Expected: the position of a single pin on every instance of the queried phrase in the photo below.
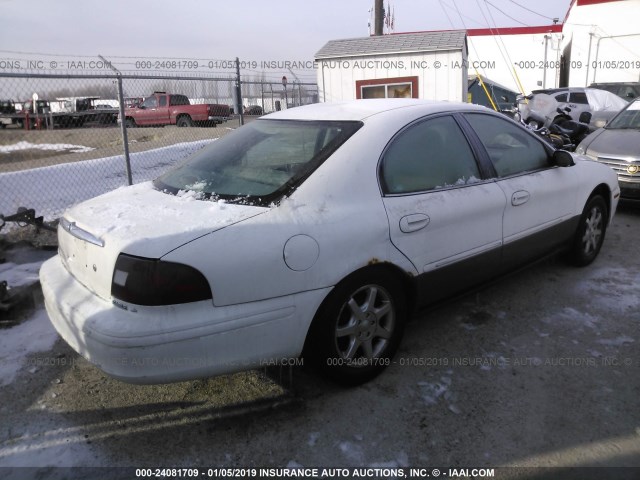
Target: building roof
(394, 43)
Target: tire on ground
(590, 233)
(358, 327)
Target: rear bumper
(175, 343)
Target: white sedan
(315, 231)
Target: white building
(520, 58)
(428, 65)
(598, 41)
(602, 41)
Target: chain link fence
(62, 141)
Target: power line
(470, 43)
(495, 38)
(506, 15)
(442, 2)
(460, 14)
(445, 12)
(529, 10)
(510, 63)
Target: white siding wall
(614, 27)
(525, 52)
(337, 77)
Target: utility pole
(378, 17)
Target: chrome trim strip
(79, 233)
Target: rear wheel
(358, 328)
(184, 121)
(130, 123)
(590, 233)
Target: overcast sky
(208, 30)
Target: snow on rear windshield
(259, 162)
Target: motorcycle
(541, 114)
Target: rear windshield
(258, 163)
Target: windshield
(259, 162)
(627, 118)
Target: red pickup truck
(162, 108)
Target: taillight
(145, 281)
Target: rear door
(445, 214)
(541, 198)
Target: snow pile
(33, 335)
(57, 147)
(20, 275)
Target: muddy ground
(539, 369)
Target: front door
(539, 213)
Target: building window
(403, 87)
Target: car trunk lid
(139, 221)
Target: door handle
(520, 197)
(414, 222)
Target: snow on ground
(58, 147)
(35, 334)
(19, 275)
(51, 190)
(73, 182)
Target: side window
(432, 154)
(163, 101)
(578, 97)
(150, 102)
(562, 98)
(511, 149)
(179, 100)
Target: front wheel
(590, 233)
(358, 328)
(130, 123)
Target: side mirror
(600, 123)
(562, 158)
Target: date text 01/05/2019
(578, 64)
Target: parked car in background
(7, 113)
(162, 108)
(618, 146)
(625, 90)
(587, 105)
(253, 110)
(316, 231)
(131, 102)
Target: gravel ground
(539, 369)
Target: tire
(184, 121)
(590, 233)
(130, 123)
(358, 328)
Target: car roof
(361, 109)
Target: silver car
(618, 145)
